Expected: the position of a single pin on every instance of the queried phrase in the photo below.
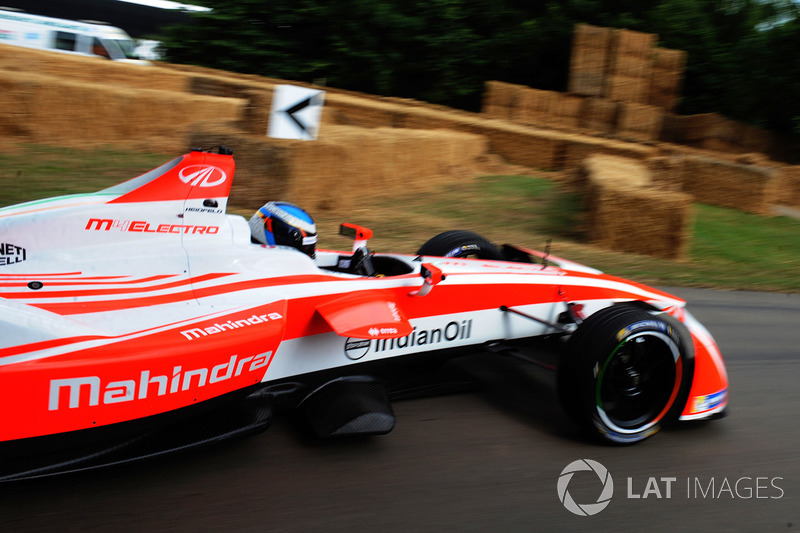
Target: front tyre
(626, 373)
(460, 243)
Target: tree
(442, 51)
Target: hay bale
(694, 129)
(632, 66)
(535, 106)
(639, 221)
(565, 111)
(257, 111)
(631, 43)
(499, 99)
(579, 147)
(588, 60)
(15, 59)
(618, 171)
(666, 172)
(629, 67)
(789, 193)
(599, 115)
(624, 213)
(15, 105)
(525, 146)
(627, 88)
(639, 122)
(342, 110)
(666, 78)
(70, 113)
(586, 82)
(750, 188)
(222, 86)
(344, 166)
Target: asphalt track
(480, 461)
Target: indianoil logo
(585, 509)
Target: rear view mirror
(359, 234)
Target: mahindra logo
(202, 175)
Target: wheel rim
(638, 383)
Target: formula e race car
(143, 319)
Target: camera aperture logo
(585, 509)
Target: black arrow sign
(299, 106)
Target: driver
(282, 223)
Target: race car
(143, 319)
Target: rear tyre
(626, 373)
(460, 243)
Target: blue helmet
(282, 223)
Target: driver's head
(284, 224)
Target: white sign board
(296, 112)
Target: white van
(68, 36)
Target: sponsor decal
(453, 331)
(11, 254)
(456, 252)
(644, 324)
(374, 332)
(202, 175)
(355, 349)
(707, 402)
(230, 325)
(91, 391)
(141, 226)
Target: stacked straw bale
(599, 116)
(588, 60)
(500, 99)
(629, 68)
(789, 193)
(50, 110)
(711, 131)
(666, 78)
(344, 166)
(535, 106)
(579, 147)
(747, 187)
(639, 122)
(624, 213)
(15, 59)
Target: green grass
(32, 172)
(730, 249)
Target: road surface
(480, 461)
